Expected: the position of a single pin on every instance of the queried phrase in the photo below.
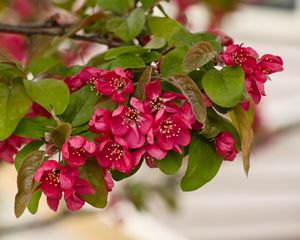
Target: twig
(54, 31)
(160, 7)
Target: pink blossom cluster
(149, 128)
(257, 69)
(146, 129)
(56, 179)
(116, 84)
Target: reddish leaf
(246, 134)
(190, 90)
(25, 180)
(198, 56)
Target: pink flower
(49, 176)
(37, 111)
(150, 153)
(90, 74)
(10, 147)
(55, 180)
(157, 100)
(115, 84)
(15, 45)
(238, 55)
(256, 70)
(74, 187)
(77, 149)
(208, 102)
(100, 121)
(24, 8)
(224, 39)
(87, 75)
(74, 82)
(170, 131)
(254, 88)
(109, 182)
(224, 146)
(270, 64)
(114, 154)
(132, 123)
(187, 115)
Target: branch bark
(59, 30)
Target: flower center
(266, 71)
(240, 56)
(117, 83)
(132, 117)
(93, 80)
(78, 151)
(52, 177)
(157, 104)
(169, 129)
(115, 152)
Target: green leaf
(49, 93)
(107, 103)
(132, 26)
(172, 61)
(65, 71)
(163, 27)
(212, 39)
(33, 204)
(42, 64)
(190, 90)
(119, 176)
(14, 104)
(156, 43)
(96, 60)
(81, 107)
(225, 87)
(246, 134)
(148, 3)
(89, 135)
(80, 129)
(113, 23)
(34, 127)
(150, 57)
(25, 151)
(115, 52)
(128, 61)
(119, 6)
(185, 38)
(25, 180)
(143, 80)
(93, 173)
(10, 70)
(204, 163)
(60, 134)
(66, 4)
(217, 124)
(171, 163)
(198, 56)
